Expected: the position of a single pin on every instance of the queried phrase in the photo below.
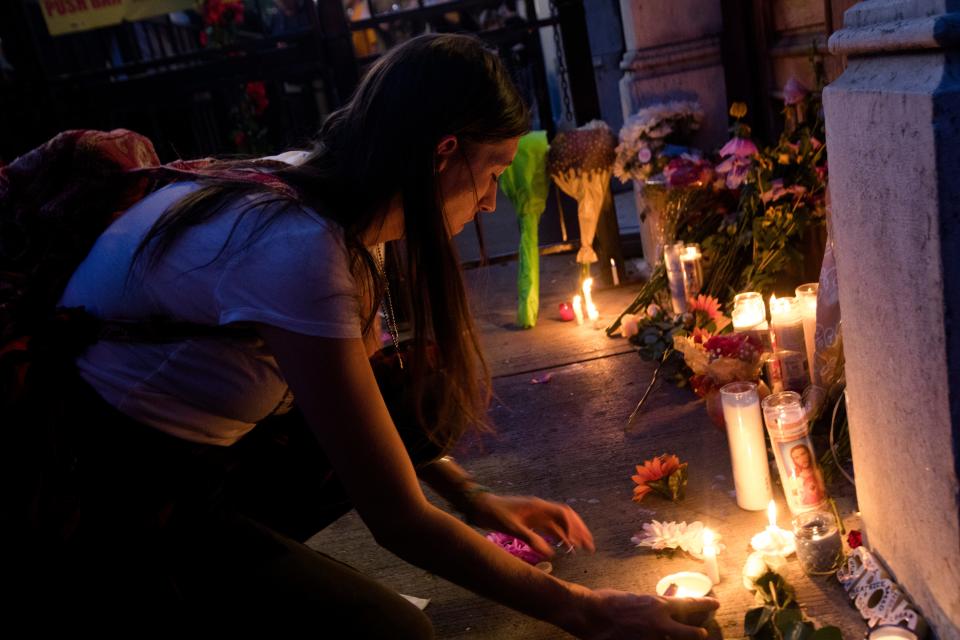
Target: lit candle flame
(578, 309)
(708, 539)
(592, 312)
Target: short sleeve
(294, 275)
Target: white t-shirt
(293, 274)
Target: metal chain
(561, 64)
(388, 310)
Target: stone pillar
(673, 52)
(893, 133)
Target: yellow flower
(738, 109)
(783, 158)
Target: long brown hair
(380, 144)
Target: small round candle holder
(819, 546)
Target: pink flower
(739, 346)
(794, 92)
(739, 147)
(652, 310)
(777, 191)
(644, 155)
(683, 172)
(734, 170)
(515, 547)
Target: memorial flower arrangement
(756, 212)
(653, 136)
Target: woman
(181, 496)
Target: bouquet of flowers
(717, 361)
(221, 20)
(652, 136)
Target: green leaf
(756, 619)
(677, 481)
(791, 625)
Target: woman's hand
(617, 614)
(530, 519)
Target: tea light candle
(689, 584)
(807, 295)
(748, 451)
(692, 268)
(787, 324)
(819, 547)
(710, 556)
(890, 632)
(773, 541)
(671, 262)
(578, 309)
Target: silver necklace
(388, 307)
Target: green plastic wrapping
(526, 183)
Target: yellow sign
(65, 16)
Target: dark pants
(142, 517)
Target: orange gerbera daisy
(707, 305)
(652, 470)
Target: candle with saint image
(592, 312)
(807, 295)
(710, 556)
(748, 451)
(787, 324)
(578, 309)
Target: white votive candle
(748, 452)
(710, 556)
(807, 295)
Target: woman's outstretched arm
(337, 392)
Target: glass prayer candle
(792, 369)
(748, 451)
(750, 316)
(807, 297)
(671, 262)
(691, 265)
(787, 324)
(796, 461)
(819, 547)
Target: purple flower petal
(515, 547)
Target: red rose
(740, 346)
(257, 92)
(854, 539)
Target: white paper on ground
(419, 603)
